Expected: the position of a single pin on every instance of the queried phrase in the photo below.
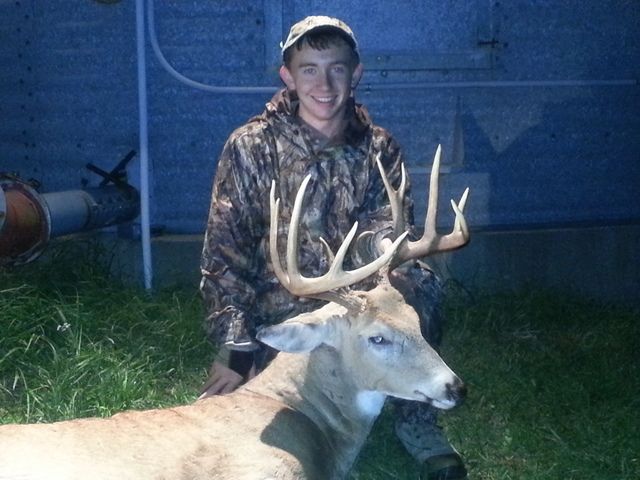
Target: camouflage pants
(416, 422)
(416, 426)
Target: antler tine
(292, 238)
(327, 250)
(460, 223)
(336, 277)
(434, 186)
(431, 242)
(396, 197)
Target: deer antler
(336, 277)
(430, 242)
(396, 197)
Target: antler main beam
(430, 242)
(336, 277)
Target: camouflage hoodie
(238, 285)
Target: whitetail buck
(305, 417)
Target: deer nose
(456, 391)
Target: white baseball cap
(314, 22)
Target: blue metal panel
(544, 95)
(75, 70)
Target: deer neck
(317, 385)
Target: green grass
(76, 343)
(553, 381)
(554, 385)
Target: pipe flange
(25, 229)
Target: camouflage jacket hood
(238, 285)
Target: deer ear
(295, 336)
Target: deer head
(376, 332)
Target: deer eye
(379, 340)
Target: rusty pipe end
(25, 223)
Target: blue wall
(536, 103)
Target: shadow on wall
(576, 166)
(560, 204)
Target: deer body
(305, 417)
(211, 439)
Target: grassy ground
(553, 391)
(554, 381)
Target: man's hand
(223, 380)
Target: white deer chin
(370, 402)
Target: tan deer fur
(305, 417)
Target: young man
(313, 126)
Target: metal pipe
(187, 81)
(25, 224)
(79, 210)
(145, 223)
(366, 87)
(71, 210)
(28, 219)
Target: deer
(307, 415)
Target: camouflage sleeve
(230, 261)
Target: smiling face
(323, 80)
